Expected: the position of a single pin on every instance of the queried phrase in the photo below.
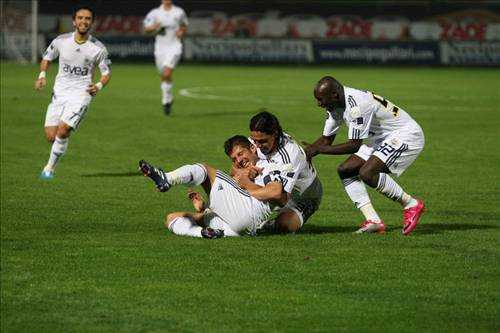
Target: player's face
(83, 21)
(244, 157)
(166, 2)
(326, 99)
(265, 142)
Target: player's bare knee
(50, 138)
(170, 218)
(368, 176)
(345, 171)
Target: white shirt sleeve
(103, 62)
(359, 122)
(332, 124)
(150, 19)
(290, 172)
(52, 51)
(183, 19)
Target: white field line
(217, 94)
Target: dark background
(417, 9)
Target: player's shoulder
(154, 11)
(177, 9)
(357, 99)
(97, 43)
(63, 37)
(288, 148)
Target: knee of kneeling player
(368, 176)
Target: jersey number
(386, 149)
(384, 102)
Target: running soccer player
(169, 23)
(394, 142)
(78, 53)
(232, 211)
(302, 183)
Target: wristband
(99, 85)
(42, 75)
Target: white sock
(369, 213)
(59, 147)
(388, 187)
(407, 201)
(190, 174)
(184, 226)
(356, 190)
(166, 92)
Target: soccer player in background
(232, 210)
(78, 53)
(303, 185)
(169, 23)
(394, 142)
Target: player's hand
(92, 89)
(40, 83)
(310, 150)
(179, 34)
(253, 171)
(197, 200)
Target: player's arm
(152, 28)
(105, 68)
(313, 149)
(41, 81)
(349, 147)
(182, 31)
(150, 23)
(273, 191)
(94, 88)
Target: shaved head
(329, 93)
(328, 84)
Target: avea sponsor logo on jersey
(76, 70)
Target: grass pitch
(87, 252)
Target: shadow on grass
(321, 229)
(113, 174)
(436, 228)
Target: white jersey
(289, 162)
(170, 21)
(369, 116)
(76, 65)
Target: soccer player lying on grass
(394, 142)
(232, 210)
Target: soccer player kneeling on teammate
(233, 210)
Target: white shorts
(233, 209)
(66, 112)
(397, 151)
(308, 202)
(168, 59)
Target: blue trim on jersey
(394, 156)
(230, 181)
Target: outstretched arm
(313, 149)
(41, 81)
(349, 147)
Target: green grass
(87, 252)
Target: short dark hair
(237, 140)
(266, 122)
(78, 8)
